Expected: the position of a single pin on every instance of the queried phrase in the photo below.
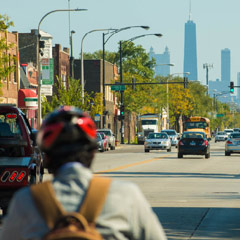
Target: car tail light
(205, 143)
(229, 142)
(14, 177)
(180, 143)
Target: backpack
(71, 225)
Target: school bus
(195, 124)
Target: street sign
(47, 71)
(46, 90)
(220, 115)
(97, 117)
(118, 87)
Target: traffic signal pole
(121, 97)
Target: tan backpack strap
(46, 202)
(95, 198)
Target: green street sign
(220, 115)
(118, 88)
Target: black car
(193, 143)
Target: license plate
(192, 143)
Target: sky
(217, 26)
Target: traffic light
(185, 82)
(121, 117)
(231, 87)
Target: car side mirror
(178, 138)
(209, 139)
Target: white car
(173, 136)
(157, 141)
(221, 136)
(228, 131)
(110, 137)
(232, 144)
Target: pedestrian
(68, 139)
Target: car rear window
(9, 126)
(170, 133)
(108, 133)
(193, 135)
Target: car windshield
(221, 133)
(228, 131)
(99, 137)
(170, 133)
(157, 136)
(193, 135)
(9, 125)
(107, 133)
(149, 122)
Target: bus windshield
(149, 122)
(191, 125)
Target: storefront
(27, 102)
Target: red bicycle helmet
(67, 130)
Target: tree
(73, 96)
(109, 56)
(5, 58)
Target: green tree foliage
(5, 58)
(109, 56)
(73, 96)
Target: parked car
(236, 130)
(193, 143)
(232, 144)
(157, 141)
(110, 136)
(100, 143)
(105, 141)
(21, 161)
(221, 136)
(173, 136)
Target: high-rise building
(161, 69)
(238, 89)
(226, 67)
(190, 49)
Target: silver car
(110, 137)
(232, 144)
(173, 136)
(221, 136)
(157, 141)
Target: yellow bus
(195, 124)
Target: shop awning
(27, 99)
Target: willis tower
(190, 49)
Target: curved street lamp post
(121, 72)
(103, 69)
(39, 117)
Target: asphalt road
(194, 197)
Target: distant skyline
(217, 24)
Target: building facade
(190, 50)
(10, 83)
(94, 83)
(161, 59)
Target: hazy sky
(217, 24)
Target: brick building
(10, 84)
(61, 64)
(94, 83)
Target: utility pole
(207, 66)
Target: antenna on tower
(190, 10)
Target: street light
(121, 72)
(104, 42)
(184, 73)
(71, 57)
(82, 62)
(38, 59)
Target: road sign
(220, 115)
(118, 87)
(47, 71)
(97, 117)
(46, 90)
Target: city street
(194, 197)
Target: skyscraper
(225, 68)
(190, 49)
(161, 59)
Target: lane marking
(131, 165)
